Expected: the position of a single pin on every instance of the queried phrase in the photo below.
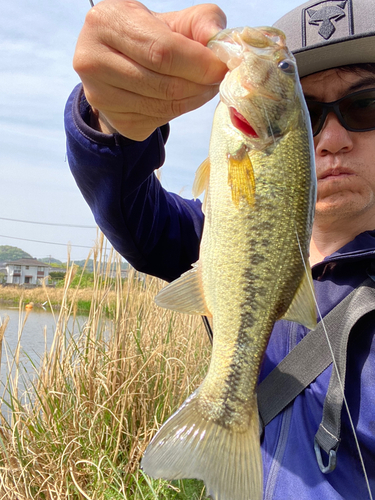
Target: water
(37, 336)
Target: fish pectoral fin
(185, 294)
(189, 445)
(303, 307)
(201, 180)
(202, 176)
(241, 178)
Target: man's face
(345, 161)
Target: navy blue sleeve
(156, 231)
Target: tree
(9, 253)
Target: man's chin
(343, 207)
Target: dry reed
(98, 396)
(38, 295)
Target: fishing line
(209, 331)
(329, 343)
(336, 368)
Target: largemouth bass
(253, 265)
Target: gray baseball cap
(330, 33)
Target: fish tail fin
(191, 446)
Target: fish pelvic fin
(185, 294)
(201, 181)
(303, 307)
(241, 178)
(191, 446)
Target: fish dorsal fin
(185, 294)
(202, 177)
(241, 178)
(303, 309)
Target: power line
(46, 242)
(48, 223)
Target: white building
(26, 271)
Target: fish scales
(266, 285)
(253, 263)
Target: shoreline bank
(51, 298)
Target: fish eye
(287, 66)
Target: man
(136, 81)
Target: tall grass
(82, 297)
(81, 427)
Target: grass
(78, 292)
(99, 395)
(12, 295)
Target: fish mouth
(240, 122)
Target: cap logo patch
(329, 16)
(325, 16)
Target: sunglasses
(355, 112)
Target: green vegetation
(57, 275)
(9, 253)
(81, 288)
(51, 261)
(82, 279)
(89, 264)
(99, 395)
(82, 297)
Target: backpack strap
(309, 359)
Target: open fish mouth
(230, 44)
(247, 95)
(240, 122)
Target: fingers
(199, 23)
(164, 43)
(111, 99)
(135, 116)
(124, 73)
(146, 68)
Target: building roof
(27, 262)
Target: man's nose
(333, 137)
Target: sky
(40, 202)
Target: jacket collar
(362, 247)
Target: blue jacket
(159, 233)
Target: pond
(37, 336)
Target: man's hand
(140, 69)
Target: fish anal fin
(191, 446)
(303, 307)
(185, 294)
(241, 178)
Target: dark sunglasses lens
(316, 113)
(358, 111)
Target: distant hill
(90, 265)
(51, 260)
(9, 253)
